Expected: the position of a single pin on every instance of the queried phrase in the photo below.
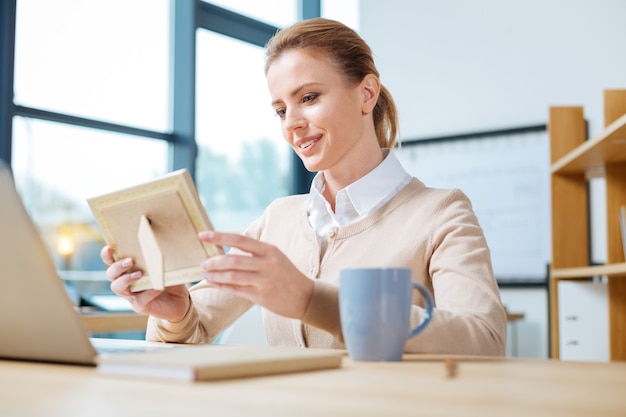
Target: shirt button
(332, 233)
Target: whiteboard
(507, 179)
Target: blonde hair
(347, 52)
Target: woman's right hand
(171, 303)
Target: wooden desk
(481, 388)
(513, 317)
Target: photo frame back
(157, 224)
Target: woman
(363, 209)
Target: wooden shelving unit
(573, 161)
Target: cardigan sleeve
(469, 317)
(211, 312)
(323, 309)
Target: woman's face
(322, 118)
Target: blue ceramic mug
(375, 310)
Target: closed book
(212, 362)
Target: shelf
(577, 159)
(609, 146)
(588, 271)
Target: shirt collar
(367, 192)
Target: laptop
(38, 321)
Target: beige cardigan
(433, 231)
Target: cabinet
(583, 321)
(574, 160)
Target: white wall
(458, 66)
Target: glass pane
(57, 167)
(243, 161)
(279, 13)
(106, 60)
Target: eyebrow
(295, 91)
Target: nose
(293, 121)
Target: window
(90, 60)
(102, 60)
(57, 167)
(243, 161)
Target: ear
(370, 89)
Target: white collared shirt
(358, 199)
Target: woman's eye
(280, 113)
(309, 97)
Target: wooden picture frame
(157, 223)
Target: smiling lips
(307, 143)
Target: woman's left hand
(264, 275)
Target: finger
(231, 263)
(233, 278)
(107, 255)
(118, 268)
(235, 240)
(247, 291)
(121, 284)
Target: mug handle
(428, 314)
